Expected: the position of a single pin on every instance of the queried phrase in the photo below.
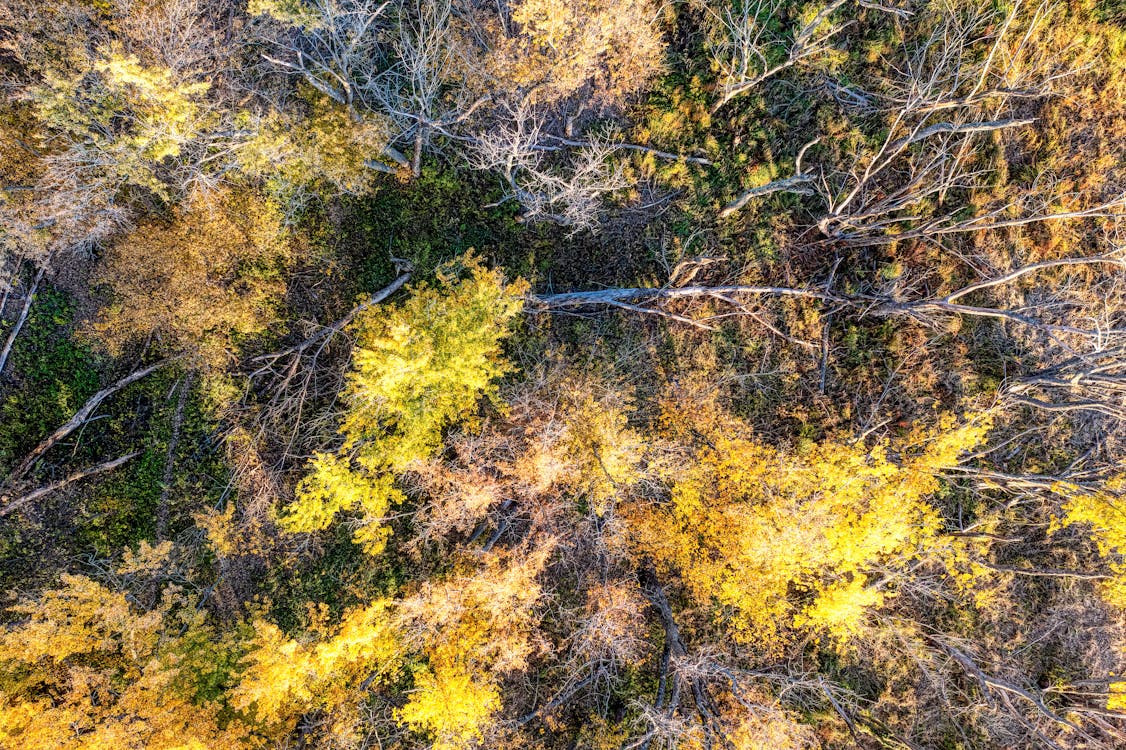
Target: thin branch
(22, 318)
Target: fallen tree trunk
(14, 505)
(22, 318)
(643, 300)
(80, 418)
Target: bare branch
(18, 326)
(80, 417)
(12, 505)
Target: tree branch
(14, 505)
(80, 418)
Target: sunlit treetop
(418, 367)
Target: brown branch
(635, 147)
(614, 295)
(949, 128)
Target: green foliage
(439, 216)
(128, 119)
(53, 376)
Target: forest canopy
(710, 374)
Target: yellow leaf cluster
(127, 118)
(417, 368)
(326, 144)
(1101, 511)
(203, 281)
(472, 629)
(776, 540)
(285, 678)
(609, 48)
(85, 671)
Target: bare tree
(334, 45)
(17, 325)
(522, 151)
(960, 83)
(428, 87)
(747, 53)
(926, 310)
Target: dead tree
(13, 504)
(334, 45)
(426, 88)
(746, 52)
(957, 87)
(572, 194)
(285, 383)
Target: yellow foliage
(126, 119)
(770, 728)
(1116, 696)
(472, 628)
(783, 540)
(1101, 511)
(84, 670)
(286, 678)
(417, 368)
(146, 559)
(840, 607)
(610, 48)
(202, 281)
(328, 143)
(451, 705)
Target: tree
(84, 668)
(204, 281)
(747, 53)
(285, 678)
(416, 369)
(604, 50)
(727, 533)
(125, 113)
(569, 191)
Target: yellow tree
(472, 627)
(417, 368)
(202, 282)
(607, 48)
(783, 541)
(285, 678)
(456, 636)
(83, 668)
